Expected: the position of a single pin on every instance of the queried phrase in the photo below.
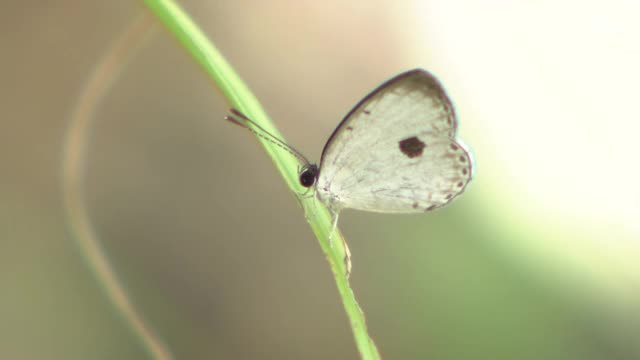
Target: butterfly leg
(347, 252)
(334, 225)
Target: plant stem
(202, 50)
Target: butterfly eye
(308, 175)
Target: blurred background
(538, 260)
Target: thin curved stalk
(73, 161)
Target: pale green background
(538, 260)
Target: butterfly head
(308, 175)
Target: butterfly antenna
(241, 120)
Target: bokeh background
(538, 260)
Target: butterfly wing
(396, 150)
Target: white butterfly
(396, 151)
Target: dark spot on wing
(349, 128)
(454, 147)
(430, 208)
(412, 146)
(463, 159)
(460, 184)
(449, 196)
(464, 171)
(415, 205)
(366, 112)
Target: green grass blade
(240, 97)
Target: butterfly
(396, 151)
